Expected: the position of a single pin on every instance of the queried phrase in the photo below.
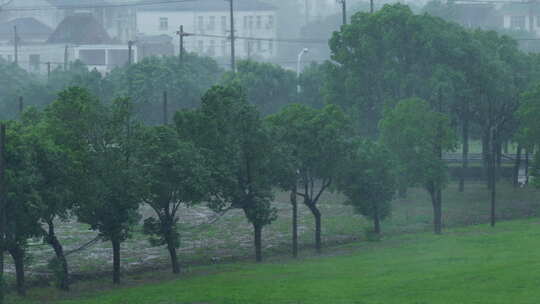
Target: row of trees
(407, 82)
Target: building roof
(25, 27)
(76, 3)
(80, 28)
(206, 5)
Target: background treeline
(400, 90)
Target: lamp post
(305, 50)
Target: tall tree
(416, 136)
(231, 135)
(101, 138)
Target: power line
(75, 6)
(308, 41)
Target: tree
(268, 86)
(318, 141)
(21, 213)
(230, 133)
(390, 55)
(55, 186)
(369, 183)
(417, 136)
(175, 175)
(101, 138)
(145, 82)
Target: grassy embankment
(476, 264)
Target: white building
(209, 23)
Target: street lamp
(305, 50)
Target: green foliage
(391, 55)
(415, 135)
(238, 148)
(368, 181)
(268, 86)
(146, 81)
(175, 175)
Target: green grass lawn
(476, 264)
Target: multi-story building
(208, 23)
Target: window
(163, 23)
(517, 22)
(270, 23)
(200, 21)
(245, 22)
(537, 21)
(34, 60)
(211, 23)
(271, 46)
(247, 46)
(259, 45)
(224, 23)
(10, 58)
(259, 22)
(250, 22)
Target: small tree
(416, 136)
(318, 142)
(368, 181)
(176, 175)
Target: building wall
(34, 58)
(211, 31)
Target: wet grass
(475, 264)
(230, 238)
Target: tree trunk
(377, 224)
(294, 223)
(465, 153)
(116, 261)
(493, 186)
(17, 254)
(436, 198)
(485, 160)
(258, 242)
(498, 154)
(63, 279)
(317, 215)
(318, 242)
(517, 165)
(526, 166)
(172, 253)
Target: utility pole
(3, 215)
(66, 58)
(48, 70)
(344, 10)
(233, 62)
(181, 34)
(165, 109)
(130, 47)
(370, 6)
(16, 45)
